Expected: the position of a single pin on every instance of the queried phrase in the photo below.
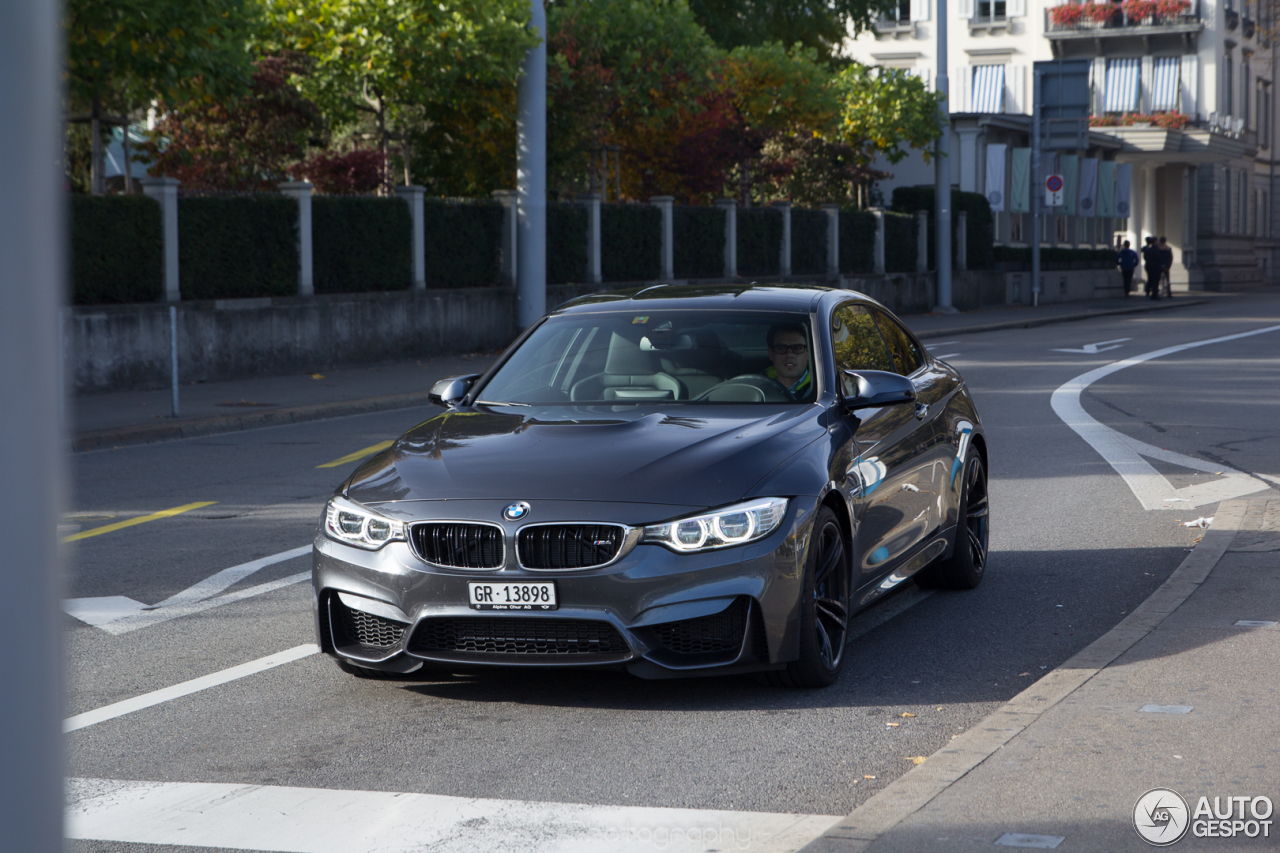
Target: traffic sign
(1053, 191)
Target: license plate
(512, 595)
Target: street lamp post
(531, 177)
(942, 180)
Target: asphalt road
(1072, 551)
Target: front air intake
(457, 545)
(568, 546)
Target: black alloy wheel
(824, 617)
(968, 560)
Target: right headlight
(722, 528)
(355, 524)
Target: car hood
(695, 456)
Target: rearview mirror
(449, 392)
(868, 389)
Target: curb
(917, 787)
(106, 439)
(1062, 318)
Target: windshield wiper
(492, 403)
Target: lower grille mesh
(720, 632)
(569, 546)
(516, 637)
(365, 629)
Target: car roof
(740, 297)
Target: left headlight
(733, 525)
(353, 524)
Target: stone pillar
(165, 191)
(300, 191)
(667, 255)
(922, 241)
(784, 256)
(413, 196)
(877, 254)
(962, 228)
(833, 240)
(1149, 203)
(592, 203)
(730, 208)
(507, 250)
(1190, 206)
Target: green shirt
(799, 390)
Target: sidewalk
(137, 417)
(1180, 695)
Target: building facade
(1181, 90)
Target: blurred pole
(1037, 187)
(531, 178)
(942, 175)
(32, 441)
(173, 354)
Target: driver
(789, 352)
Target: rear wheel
(968, 560)
(824, 609)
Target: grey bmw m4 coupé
(672, 480)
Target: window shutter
(966, 9)
(1017, 82)
(961, 80)
(1016, 8)
(1189, 84)
(919, 10)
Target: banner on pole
(995, 177)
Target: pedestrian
(1127, 260)
(1166, 267)
(1151, 267)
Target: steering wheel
(747, 388)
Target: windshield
(676, 356)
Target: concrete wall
(110, 348)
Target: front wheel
(824, 609)
(968, 560)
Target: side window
(857, 343)
(907, 358)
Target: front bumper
(653, 611)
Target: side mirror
(869, 389)
(449, 392)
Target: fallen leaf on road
(917, 759)
(1023, 673)
(317, 376)
(906, 714)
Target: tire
(824, 609)
(968, 561)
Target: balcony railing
(1128, 18)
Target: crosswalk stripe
(321, 820)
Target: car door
(934, 387)
(889, 482)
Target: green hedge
(630, 242)
(361, 243)
(237, 246)
(699, 241)
(900, 234)
(980, 224)
(462, 243)
(759, 241)
(116, 248)
(808, 241)
(857, 240)
(566, 243)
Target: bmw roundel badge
(516, 511)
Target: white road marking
(319, 820)
(1101, 346)
(1126, 455)
(120, 614)
(195, 685)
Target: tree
(884, 109)
(241, 143)
(615, 70)
(131, 51)
(819, 25)
(397, 60)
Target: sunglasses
(794, 349)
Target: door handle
(922, 411)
